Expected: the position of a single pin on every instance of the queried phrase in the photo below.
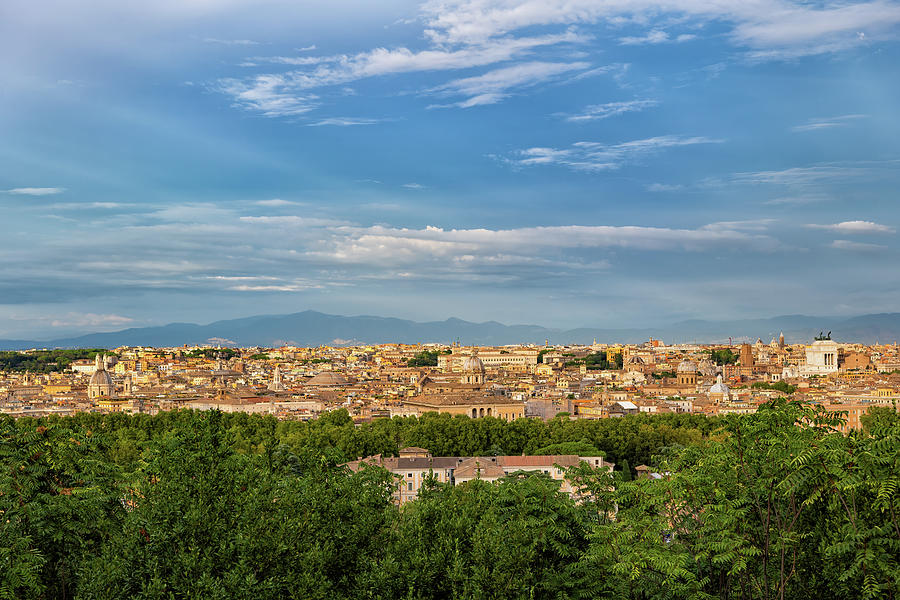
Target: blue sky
(559, 162)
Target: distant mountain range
(310, 328)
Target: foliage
(781, 386)
(723, 356)
(260, 356)
(597, 361)
(778, 504)
(45, 361)
(425, 358)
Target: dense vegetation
(723, 356)
(44, 361)
(779, 386)
(425, 358)
(208, 505)
(597, 361)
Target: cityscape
(439, 299)
(507, 382)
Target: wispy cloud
(856, 246)
(276, 202)
(270, 95)
(800, 176)
(211, 40)
(859, 227)
(494, 86)
(664, 187)
(768, 29)
(655, 36)
(796, 200)
(105, 321)
(36, 191)
(611, 109)
(827, 123)
(596, 156)
(345, 122)
(467, 34)
(414, 186)
(287, 94)
(403, 246)
(86, 205)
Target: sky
(564, 163)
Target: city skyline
(568, 164)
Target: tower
(276, 385)
(746, 359)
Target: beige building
(415, 465)
(516, 359)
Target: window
(409, 475)
(408, 487)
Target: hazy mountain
(310, 328)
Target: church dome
(687, 366)
(101, 384)
(706, 367)
(473, 364)
(101, 378)
(328, 378)
(719, 387)
(635, 360)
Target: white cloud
(345, 122)
(210, 40)
(611, 109)
(856, 246)
(293, 221)
(664, 187)
(800, 176)
(828, 123)
(466, 34)
(36, 191)
(772, 29)
(796, 200)
(596, 156)
(275, 202)
(85, 205)
(384, 245)
(493, 86)
(414, 186)
(270, 95)
(654, 36)
(106, 321)
(286, 94)
(856, 227)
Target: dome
(473, 364)
(101, 384)
(635, 360)
(719, 387)
(327, 378)
(706, 367)
(687, 366)
(101, 378)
